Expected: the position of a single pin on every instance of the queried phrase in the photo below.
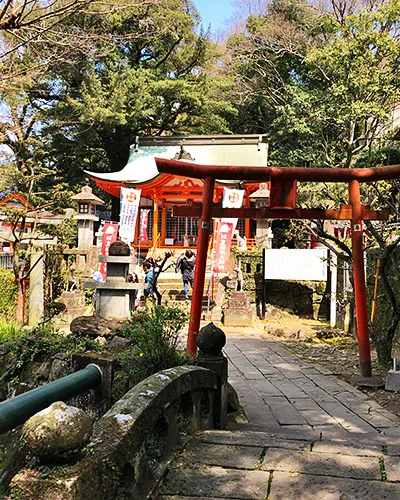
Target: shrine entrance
(282, 205)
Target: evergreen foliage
(8, 294)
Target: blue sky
(214, 12)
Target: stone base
(239, 311)
(113, 303)
(372, 382)
(75, 303)
(393, 381)
(238, 317)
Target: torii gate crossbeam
(357, 212)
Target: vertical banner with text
(232, 198)
(144, 219)
(129, 209)
(110, 233)
(223, 239)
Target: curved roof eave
(142, 169)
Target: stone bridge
(303, 434)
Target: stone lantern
(86, 203)
(260, 199)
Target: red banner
(144, 218)
(110, 233)
(223, 247)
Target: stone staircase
(171, 286)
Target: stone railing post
(210, 342)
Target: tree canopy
(321, 83)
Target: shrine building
(160, 192)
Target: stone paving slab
(334, 465)
(216, 482)
(332, 447)
(392, 468)
(257, 438)
(223, 455)
(286, 486)
(284, 412)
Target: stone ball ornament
(119, 248)
(210, 340)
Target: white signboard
(293, 264)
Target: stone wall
(309, 298)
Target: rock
(279, 332)
(59, 368)
(93, 326)
(233, 399)
(57, 429)
(373, 382)
(119, 343)
(211, 340)
(119, 248)
(101, 341)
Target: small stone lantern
(260, 199)
(86, 203)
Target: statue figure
(241, 242)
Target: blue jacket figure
(148, 290)
(185, 264)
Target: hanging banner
(129, 209)
(144, 218)
(110, 233)
(232, 198)
(222, 247)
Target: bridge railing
(131, 443)
(17, 410)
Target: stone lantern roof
(261, 194)
(87, 196)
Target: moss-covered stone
(57, 429)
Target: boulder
(119, 344)
(57, 429)
(95, 326)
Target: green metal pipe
(16, 411)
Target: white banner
(232, 198)
(129, 209)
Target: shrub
(10, 330)
(38, 344)
(8, 293)
(156, 337)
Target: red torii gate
(282, 206)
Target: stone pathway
(309, 435)
(279, 391)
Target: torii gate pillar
(359, 280)
(201, 261)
